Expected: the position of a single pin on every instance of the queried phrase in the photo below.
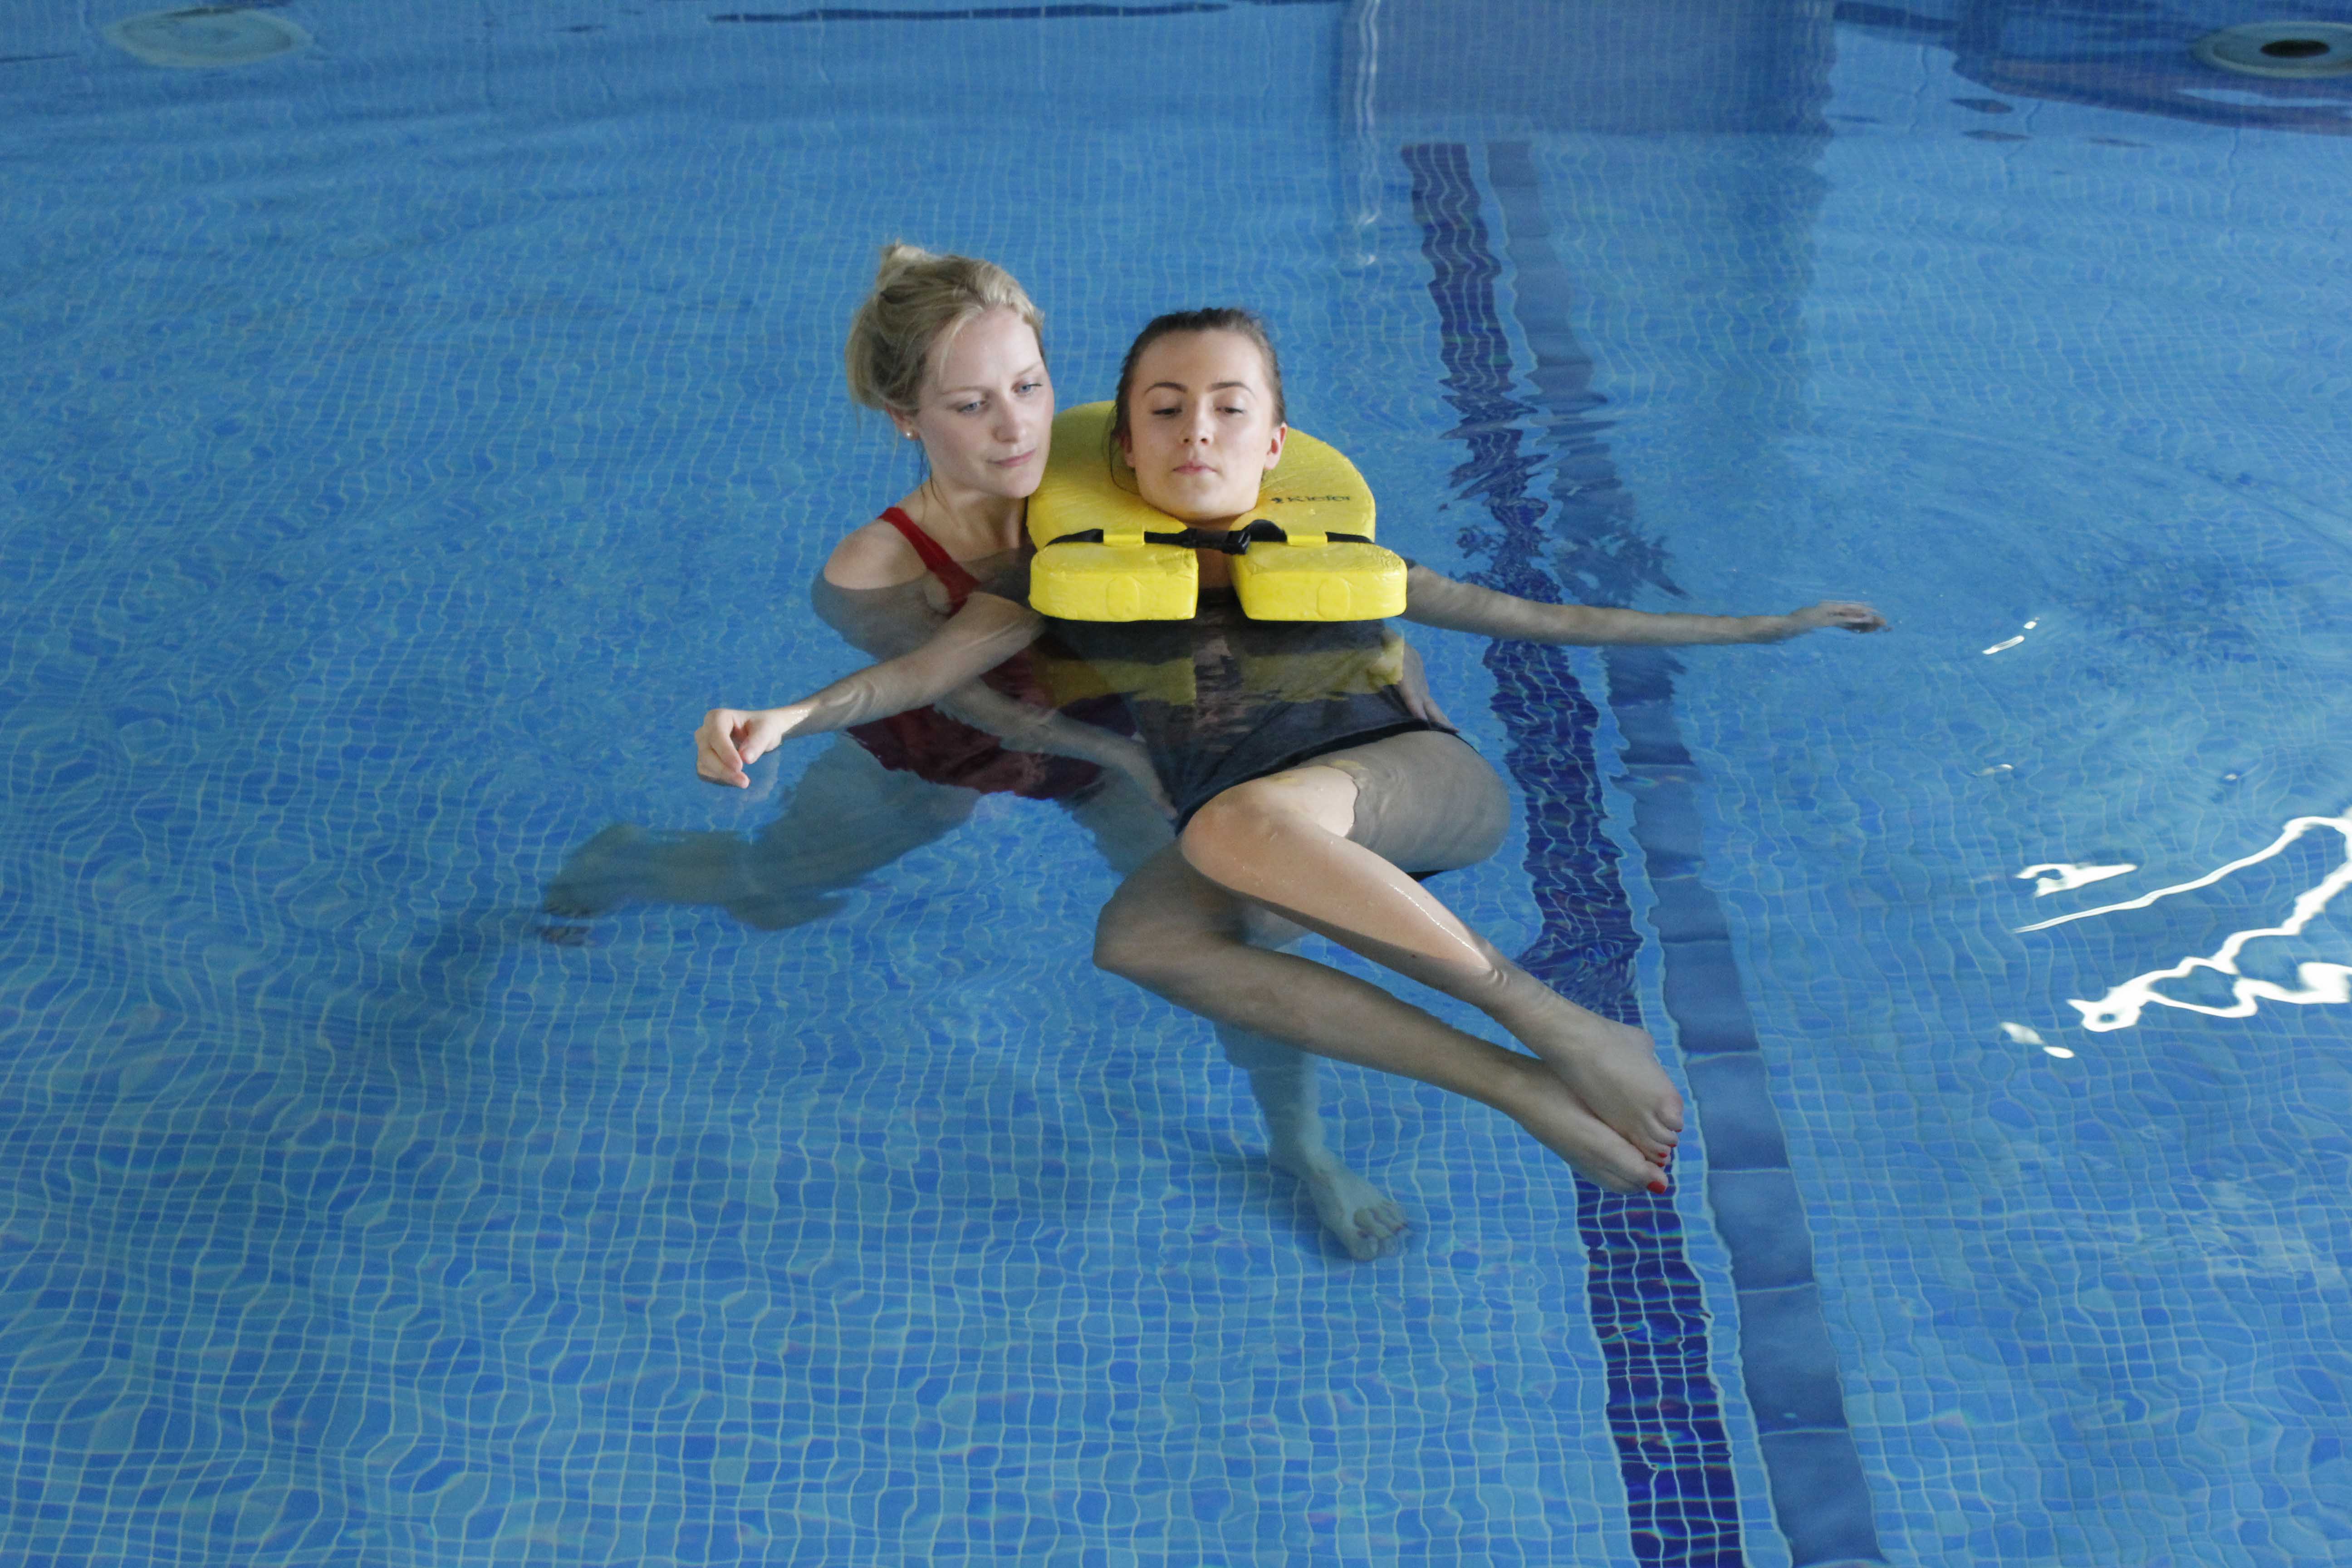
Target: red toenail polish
(1657, 1186)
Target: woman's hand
(1129, 758)
(1820, 618)
(731, 740)
(1418, 699)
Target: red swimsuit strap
(960, 584)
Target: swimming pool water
(415, 431)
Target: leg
(1125, 827)
(1322, 845)
(1128, 830)
(1359, 1216)
(848, 817)
(1173, 931)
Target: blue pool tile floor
(417, 429)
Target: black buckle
(1225, 541)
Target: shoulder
(1010, 583)
(1421, 584)
(875, 557)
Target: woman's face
(986, 416)
(1200, 431)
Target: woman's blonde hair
(919, 298)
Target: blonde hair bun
(919, 297)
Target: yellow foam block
(1114, 583)
(1080, 489)
(1340, 582)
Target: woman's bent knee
(1165, 922)
(1134, 942)
(1221, 834)
(1228, 839)
(1125, 950)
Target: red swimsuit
(928, 743)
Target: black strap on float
(1225, 541)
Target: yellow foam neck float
(1104, 553)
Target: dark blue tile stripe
(1819, 1495)
(1790, 1373)
(1646, 1306)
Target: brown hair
(920, 299)
(1216, 319)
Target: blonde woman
(948, 347)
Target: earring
(909, 435)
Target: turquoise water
(417, 429)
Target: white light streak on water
(2121, 1008)
(2003, 647)
(2061, 1052)
(2022, 1034)
(2065, 879)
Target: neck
(1209, 524)
(976, 521)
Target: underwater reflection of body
(948, 347)
(848, 817)
(1307, 784)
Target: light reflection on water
(2318, 982)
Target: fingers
(757, 734)
(1852, 616)
(715, 757)
(1146, 779)
(1423, 706)
(755, 737)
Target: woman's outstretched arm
(868, 598)
(985, 633)
(1435, 600)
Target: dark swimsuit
(1220, 699)
(931, 745)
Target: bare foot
(601, 875)
(1533, 1096)
(1365, 1220)
(1613, 1067)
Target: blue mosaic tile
(416, 430)
(1646, 1304)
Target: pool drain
(2291, 49)
(204, 37)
